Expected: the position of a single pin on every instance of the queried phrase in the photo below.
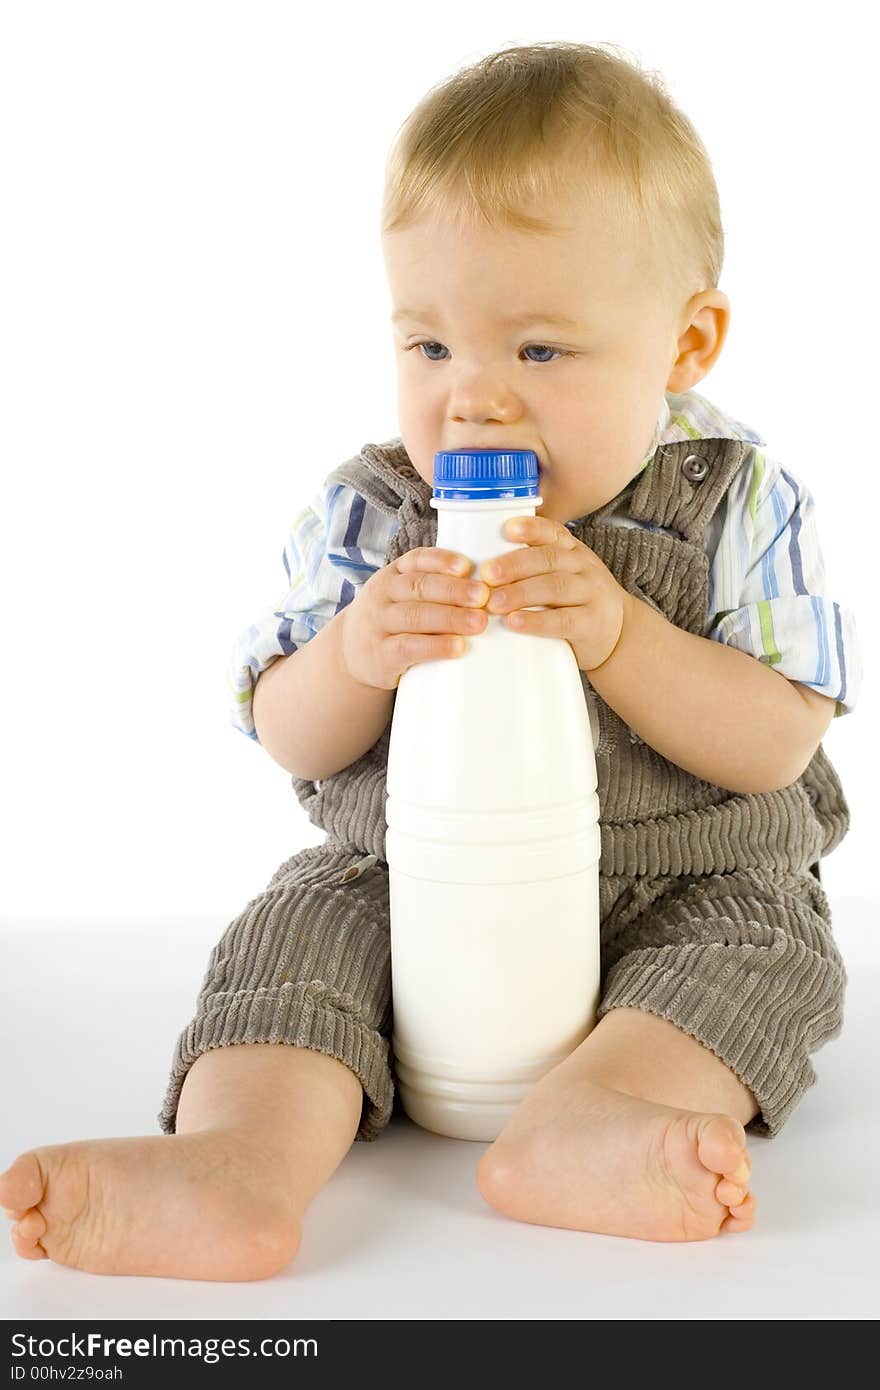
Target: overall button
(813, 794)
(355, 870)
(694, 468)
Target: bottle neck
(475, 526)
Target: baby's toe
(32, 1226)
(742, 1173)
(26, 1234)
(722, 1146)
(730, 1194)
(21, 1186)
(27, 1249)
(746, 1208)
(742, 1217)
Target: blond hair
(528, 124)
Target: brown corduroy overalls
(710, 914)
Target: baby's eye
(428, 345)
(542, 347)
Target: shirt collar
(682, 416)
(688, 415)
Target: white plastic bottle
(492, 842)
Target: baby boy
(553, 244)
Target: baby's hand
(388, 627)
(584, 602)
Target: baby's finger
(413, 616)
(430, 558)
(407, 649)
(538, 530)
(428, 587)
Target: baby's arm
(715, 711)
(322, 707)
(310, 715)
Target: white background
(194, 332)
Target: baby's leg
(303, 1106)
(641, 1131)
(260, 1129)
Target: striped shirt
(766, 572)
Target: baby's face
(585, 393)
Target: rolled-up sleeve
(333, 547)
(767, 587)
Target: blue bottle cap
(484, 473)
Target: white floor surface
(90, 1015)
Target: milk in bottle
(492, 841)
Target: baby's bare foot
(206, 1205)
(580, 1155)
